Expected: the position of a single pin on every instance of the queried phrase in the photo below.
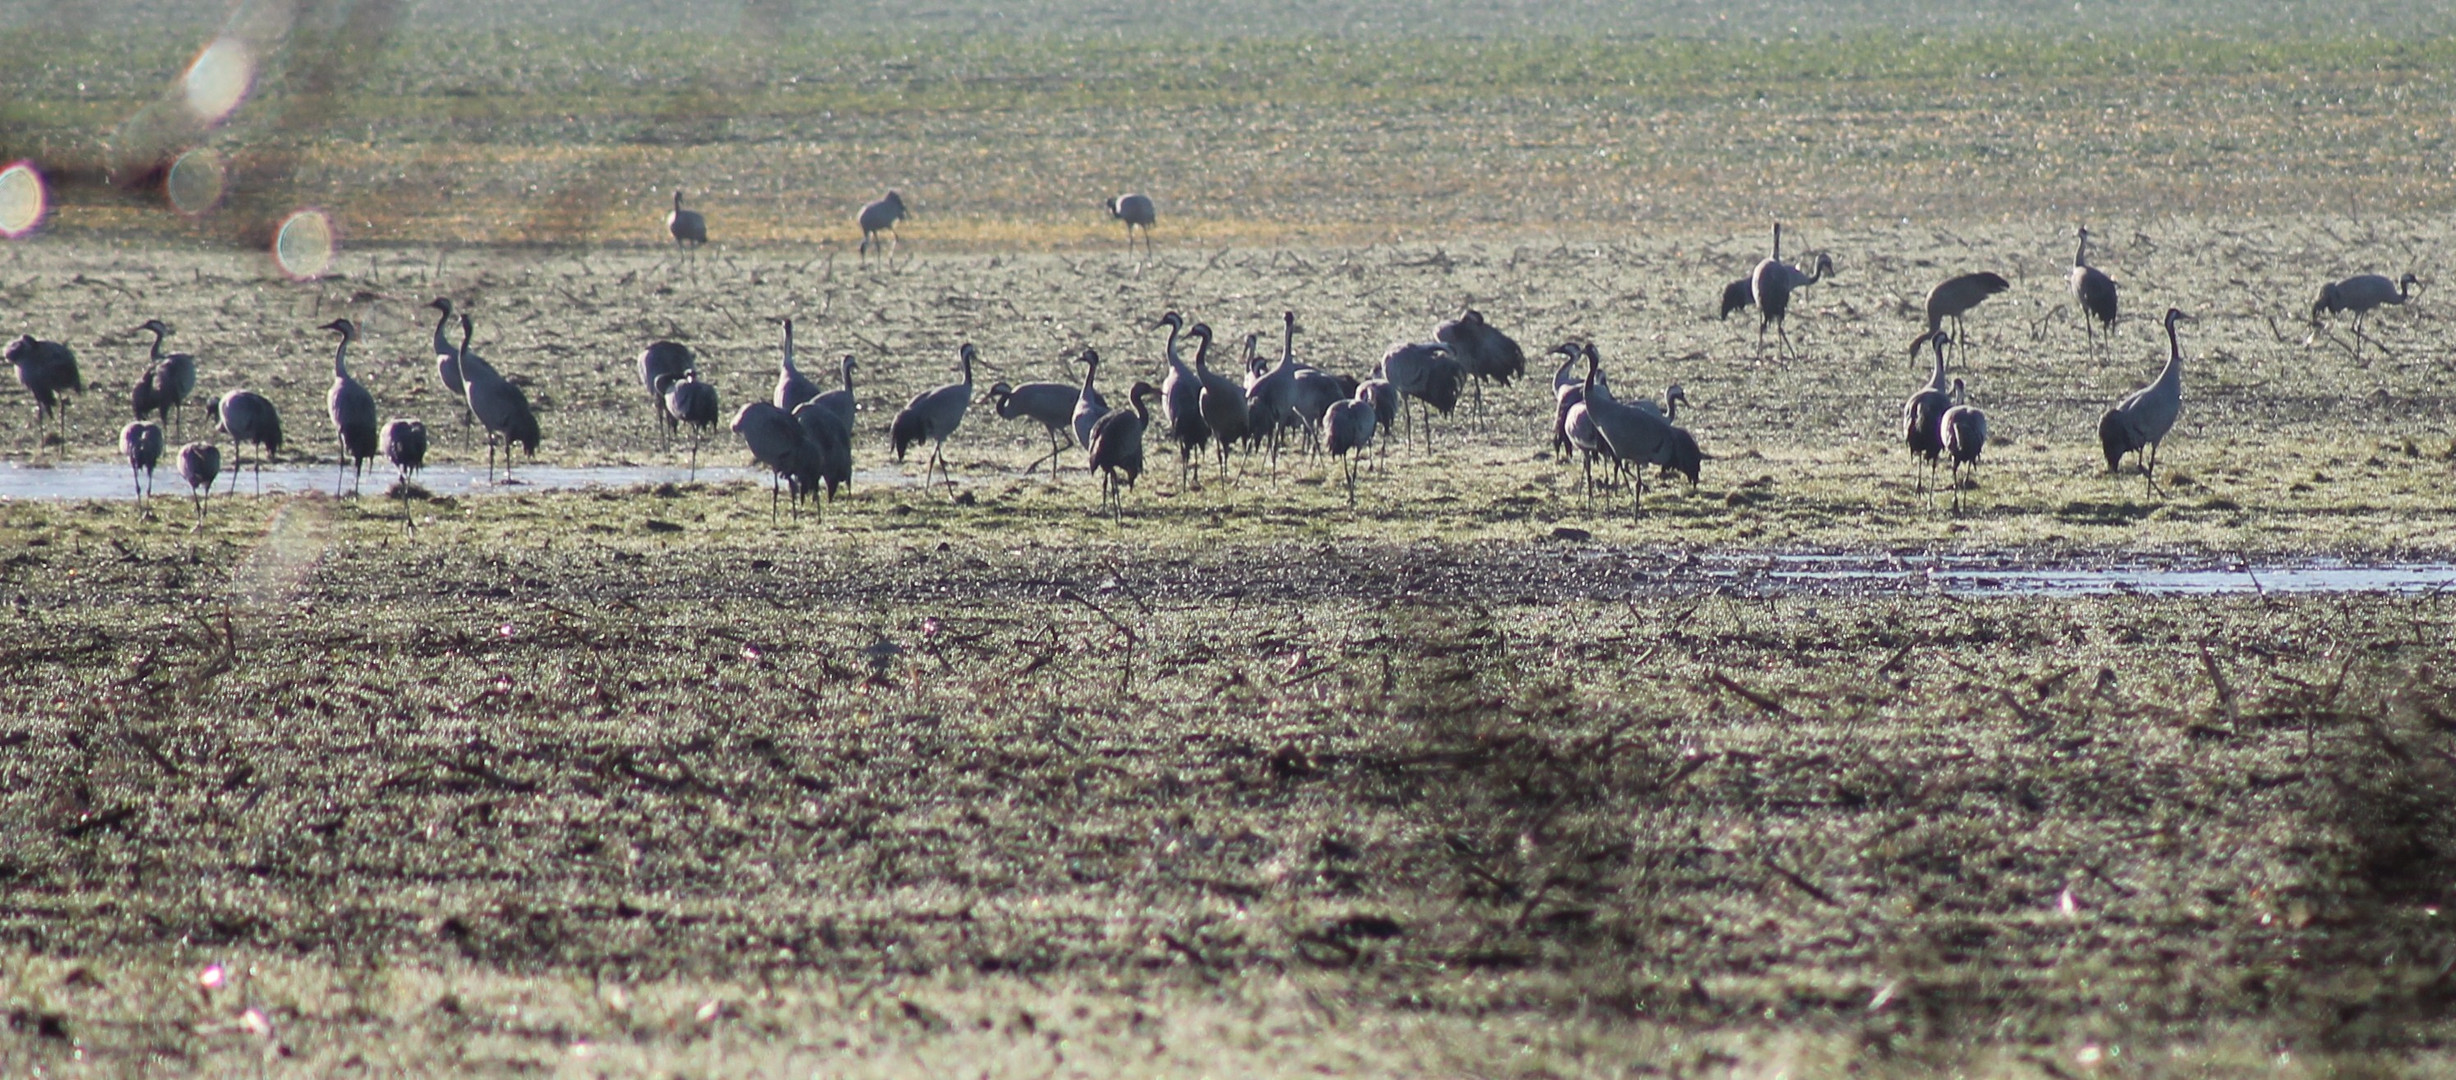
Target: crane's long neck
(443, 344)
(848, 376)
(1671, 405)
(1174, 360)
(341, 353)
(1815, 273)
(967, 359)
(1287, 348)
(1202, 355)
(2080, 256)
(468, 378)
(1777, 241)
(1091, 370)
(2172, 375)
(157, 346)
(788, 362)
(1936, 381)
(677, 202)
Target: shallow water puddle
(93, 480)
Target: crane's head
(1674, 393)
(2177, 315)
(1289, 318)
(442, 304)
(1090, 356)
(156, 326)
(1172, 320)
(848, 363)
(2407, 282)
(999, 391)
(347, 329)
(1200, 330)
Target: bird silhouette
(1089, 405)
(1772, 284)
(840, 400)
(878, 217)
(932, 416)
(1955, 296)
(778, 441)
(1220, 400)
(1487, 354)
(1270, 395)
(449, 361)
(2361, 294)
(1347, 433)
(2141, 420)
(352, 409)
(792, 387)
(499, 406)
(199, 464)
(1181, 404)
(48, 370)
(2094, 290)
(661, 363)
(141, 443)
(247, 417)
(1923, 413)
(1965, 437)
(831, 439)
(692, 404)
(1115, 449)
(1049, 404)
(404, 444)
(1137, 211)
(686, 226)
(168, 380)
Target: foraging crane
(1115, 449)
(1427, 372)
(499, 406)
(1772, 284)
(660, 363)
(1923, 413)
(1955, 296)
(777, 441)
(693, 403)
(199, 464)
(1089, 405)
(878, 217)
(2361, 294)
(1181, 403)
(164, 388)
(832, 440)
(1311, 393)
(1347, 432)
(247, 417)
(1049, 404)
(2141, 420)
(141, 443)
(2094, 290)
(48, 370)
(1965, 437)
(1219, 399)
(792, 387)
(1738, 295)
(1488, 354)
(352, 409)
(840, 400)
(686, 226)
(1136, 210)
(931, 416)
(404, 443)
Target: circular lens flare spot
(304, 246)
(21, 200)
(195, 182)
(218, 80)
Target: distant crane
(778, 442)
(2094, 290)
(1386, 404)
(662, 362)
(1923, 413)
(1427, 372)
(878, 217)
(840, 400)
(1635, 437)
(199, 464)
(352, 409)
(1772, 284)
(164, 388)
(1488, 354)
(2140, 421)
(1115, 449)
(247, 417)
(1220, 400)
(48, 370)
(692, 403)
(1270, 396)
(2361, 294)
(1347, 432)
(1955, 296)
(449, 360)
(1567, 390)
(1089, 405)
(500, 406)
(931, 416)
(1137, 211)
(686, 226)
(1965, 437)
(1181, 404)
(404, 443)
(141, 443)
(792, 387)
(1049, 404)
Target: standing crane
(692, 403)
(2361, 294)
(450, 360)
(1270, 396)
(404, 443)
(500, 406)
(2141, 420)
(777, 441)
(1089, 405)
(352, 409)
(1955, 296)
(792, 387)
(1137, 211)
(141, 443)
(1772, 284)
(840, 400)
(1181, 404)
(931, 416)
(1049, 404)
(1488, 354)
(1427, 372)
(1923, 413)
(686, 226)
(1116, 447)
(660, 363)
(2094, 290)
(878, 217)
(831, 439)
(1965, 437)
(1219, 399)
(1347, 432)
(199, 464)
(164, 388)
(247, 417)
(48, 370)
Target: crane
(1220, 400)
(2141, 420)
(247, 417)
(1427, 372)
(141, 443)
(1923, 412)
(1116, 447)
(792, 387)
(1965, 437)
(351, 407)
(2361, 294)
(1347, 432)
(1955, 296)
(1049, 404)
(660, 363)
(164, 388)
(199, 464)
(777, 441)
(880, 216)
(693, 403)
(498, 405)
(1181, 403)
(1089, 405)
(48, 370)
(932, 415)
(2094, 290)
(840, 400)
(1137, 211)
(1488, 354)
(1772, 284)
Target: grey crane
(692, 403)
(1923, 413)
(778, 441)
(932, 415)
(840, 400)
(1049, 404)
(499, 406)
(1219, 399)
(1311, 393)
(660, 363)
(352, 409)
(164, 388)
(686, 226)
(1955, 296)
(1965, 437)
(449, 361)
(2094, 290)
(1387, 406)
(2141, 420)
(1567, 390)
(1634, 437)
(2361, 294)
(1738, 295)
(1347, 433)
(1261, 424)
(1089, 405)
(141, 443)
(48, 370)
(1270, 396)
(878, 217)
(247, 417)
(404, 443)
(199, 464)
(1181, 404)
(1576, 416)
(1137, 211)
(1488, 354)
(1427, 372)
(1772, 284)
(1115, 449)
(832, 440)
(792, 387)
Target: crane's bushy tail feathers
(2114, 439)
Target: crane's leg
(2149, 467)
(695, 457)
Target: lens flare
(304, 247)
(21, 200)
(218, 79)
(195, 182)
